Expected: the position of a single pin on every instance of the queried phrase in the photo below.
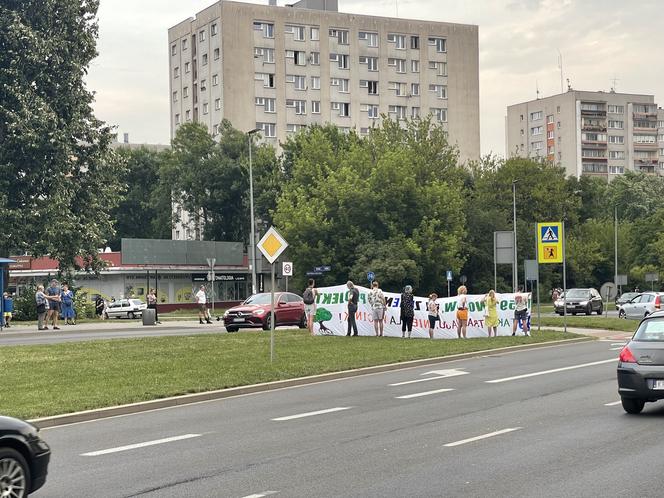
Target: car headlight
(583, 303)
(259, 312)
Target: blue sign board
(549, 233)
(314, 273)
(371, 276)
(323, 268)
(449, 275)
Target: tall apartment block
(589, 133)
(283, 68)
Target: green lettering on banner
(476, 306)
(327, 299)
(363, 298)
(335, 298)
(450, 306)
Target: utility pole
(515, 273)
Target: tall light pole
(515, 273)
(252, 241)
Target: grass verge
(48, 380)
(590, 322)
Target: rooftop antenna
(560, 66)
(537, 89)
(569, 85)
(615, 81)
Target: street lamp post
(515, 273)
(252, 235)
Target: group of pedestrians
(53, 303)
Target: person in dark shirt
(353, 297)
(407, 305)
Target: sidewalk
(108, 325)
(615, 335)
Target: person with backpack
(433, 309)
(377, 302)
(309, 297)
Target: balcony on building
(593, 109)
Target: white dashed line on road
(555, 370)
(311, 414)
(438, 374)
(425, 393)
(141, 445)
(262, 494)
(483, 436)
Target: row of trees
(398, 203)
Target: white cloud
(519, 43)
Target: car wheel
(267, 324)
(631, 405)
(589, 310)
(600, 310)
(303, 321)
(622, 314)
(231, 329)
(574, 313)
(131, 315)
(14, 474)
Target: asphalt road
(488, 431)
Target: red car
(255, 312)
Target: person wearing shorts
(434, 313)
(377, 302)
(310, 308)
(462, 312)
(520, 312)
(53, 296)
(201, 300)
(8, 308)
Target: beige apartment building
(283, 68)
(589, 133)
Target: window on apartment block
(296, 31)
(537, 130)
(315, 82)
(184, 44)
(174, 49)
(187, 67)
(415, 112)
(414, 89)
(299, 57)
(398, 40)
(372, 110)
(370, 37)
(175, 96)
(342, 108)
(265, 27)
(399, 64)
(371, 62)
(177, 119)
(300, 106)
(549, 119)
(341, 83)
(187, 115)
(439, 66)
(203, 85)
(371, 86)
(176, 72)
(315, 107)
(205, 59)
(217, 104)
(269, 129)
(299, 82)
(415, 42)
(214, 29)
(314, 34)
(414, 66)
(185, 92)
(314, 58)
(340, 34)
(534, 116)
(206, 107)
(399, 111)
(201, 35)
(398, 87)
(266, 53)
(616, 125)
(439, 43)
(216, 54)
(215, 79)
(439, 90)
(439, 114)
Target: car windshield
(578, 294)
(136, 302)
(258, 299)
(628, 296)
(650, 331)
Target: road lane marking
(614, 403)
(616, 349)
(311, 414)
(483, 436)
(439, 374)
(618, 343)
(261, 495)
(544, 372)
(141, 445)
(425, 393)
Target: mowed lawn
(54, 379)
(589, 322)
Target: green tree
(140, 212)
(58, 180)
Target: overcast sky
(519, 41)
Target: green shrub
(25, 306)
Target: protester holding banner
(353, 298)
(309, 298)
(377, 303)
(491, 316)
(407, 305)
(434, 313)
(520, 312)
(462, 312)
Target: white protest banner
(332, 314)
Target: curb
(186, 399)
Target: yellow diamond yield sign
(272, 245)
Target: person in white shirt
(201, 299)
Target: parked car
(581, 301)
(641, 306)
(24, 458)
(129, 308)
(255, 312)
(625, 297)
(641, 365)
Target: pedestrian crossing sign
(549, 242)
